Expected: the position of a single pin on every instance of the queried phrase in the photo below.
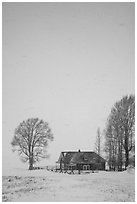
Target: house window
(86, 167)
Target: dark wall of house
(96, 166)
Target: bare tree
(98, 142)
(110, 146)
(128, 124)
(31, 139)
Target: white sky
(66, 63)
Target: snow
(20, 185)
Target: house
(80, 160)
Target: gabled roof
(66, 156)
(84, 157)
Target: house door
(86, 167)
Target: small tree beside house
(30, 140)
(98, 142)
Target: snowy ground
(41, 185)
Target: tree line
(119, 134)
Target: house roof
(66, 156)
(79, 157)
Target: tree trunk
(31, 163)
(126, 148)
(120, 162)
(78, 168)
(127, 158)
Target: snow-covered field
(42, 185)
